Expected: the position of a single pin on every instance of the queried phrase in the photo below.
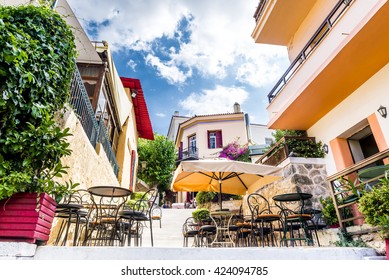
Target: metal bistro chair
(72, 211)
(295, 220)
(139, 213)
(190, 229)
(104, 227)
(316, 223)
(156, 214)
(262, 219)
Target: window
(215, 139)
(268, 141)
(192, 144)
(362, 144)
(212, 140)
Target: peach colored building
(337, 85)
(339, 73)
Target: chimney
(176, 113)
(236, 107)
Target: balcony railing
(189, 153)
(259, 10)
(323, 30)
(359, 177)
(83, 109)
(288, 146)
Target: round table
(109, 191)
(292, 196)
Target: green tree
(160, 155)
(279, 133)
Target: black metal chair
(71, 211)
(298, 225)
(262, 220)
(315, 223)
(138, 213)
(190, 229)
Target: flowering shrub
(235, 151)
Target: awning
(143, 122)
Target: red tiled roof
(143, 123)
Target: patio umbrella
(223, 176)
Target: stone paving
(170, 234)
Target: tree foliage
(160, 155)
(279, 133)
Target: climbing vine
(37, 59)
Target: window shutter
(180, 150)
(132, 175)
(219, 139)
(209, 140)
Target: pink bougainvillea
(234, 151)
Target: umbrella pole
(220, 196)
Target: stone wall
(87, 166)
(301, 175)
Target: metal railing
(344, 183)
(82, 107)
(282, 150)
(259, 10)
(191, 152)
(322, 31)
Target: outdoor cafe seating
(104, 229)
(72, 211)
(298, 225)
(262, 221)
(134, 216)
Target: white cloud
(219, 100)
(160, 115)
(170, 72)
(132, 64)
(220, 37)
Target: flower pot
(27, 217)
(387, 248)
(355, 211)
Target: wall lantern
(383, 112)
(325, 148)
(134, 92)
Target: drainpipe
(248, 131)
(54, 4)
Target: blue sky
(192, 56)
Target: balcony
(277, 21)
(337, 60)
(291, 146)
(191, 153)
(83, 109)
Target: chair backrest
(80, 196)
(156, 212)
(189, 225)
(258, 204)
(146, 203)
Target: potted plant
(200, 214)
(36, 64)
(374, 205)
(328, 212)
